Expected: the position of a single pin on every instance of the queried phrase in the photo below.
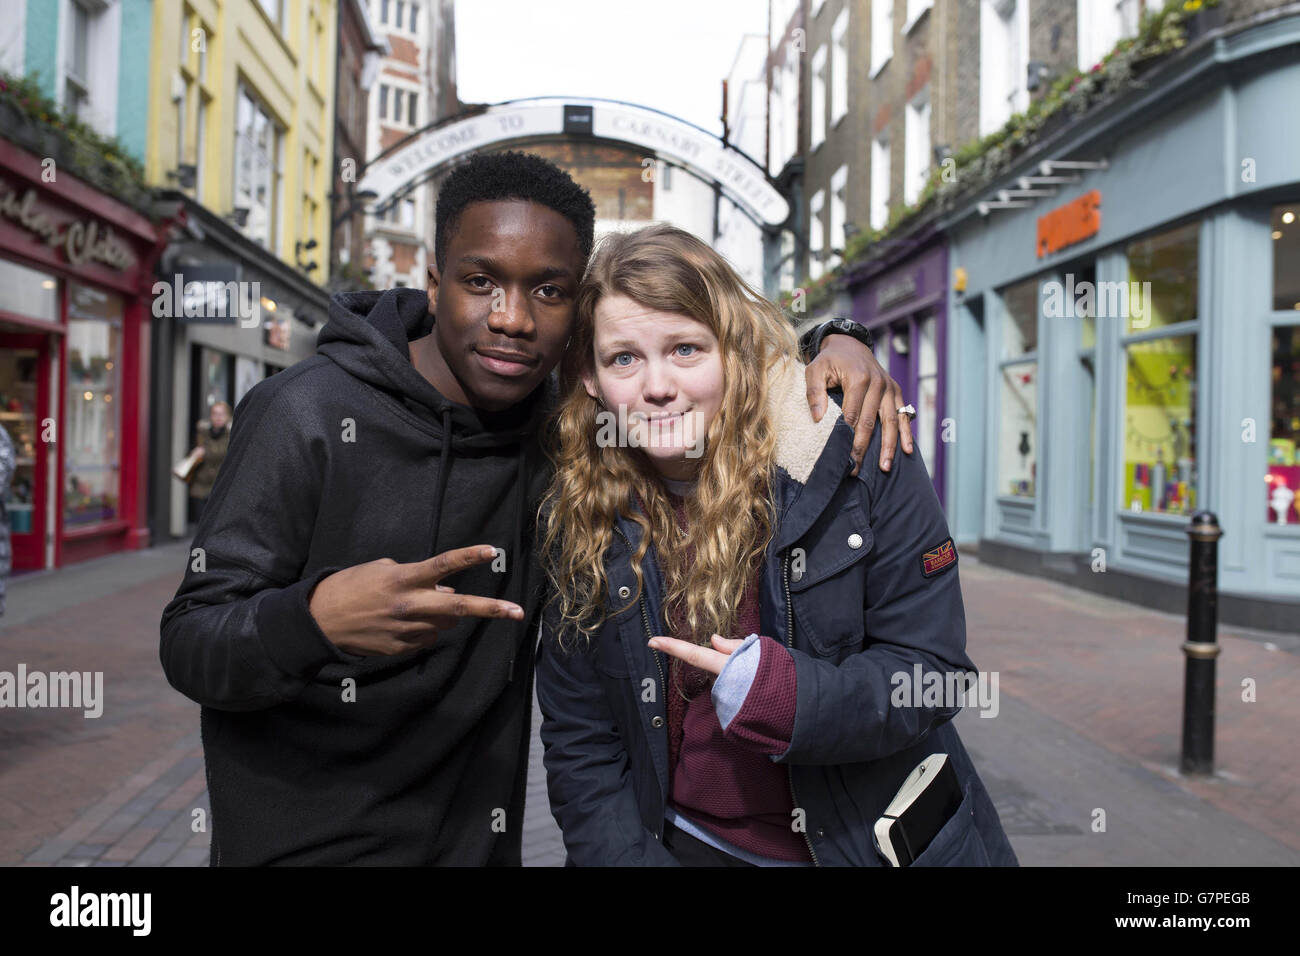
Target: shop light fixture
(1277, 233)
(1288, 217)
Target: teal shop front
(1127, 347)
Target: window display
(1018, 398)
(92, 443)
(1018, 443)
(1160, 426)
(18, 369)
(1283, 478)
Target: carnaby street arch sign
(741, 179)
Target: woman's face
(218, 416)
(659, 377)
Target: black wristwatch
(811, 342)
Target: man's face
(504, 301)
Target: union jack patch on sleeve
(933, 562)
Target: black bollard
(1201, 646)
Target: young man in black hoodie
(358, 617)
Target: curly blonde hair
(731, 514)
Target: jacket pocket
(828, 581)
(958, 843)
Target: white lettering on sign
(743, 182)
(80, 240)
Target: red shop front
(75, 279)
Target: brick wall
(611, 174)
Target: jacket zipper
(789, 640)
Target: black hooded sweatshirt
(314, 755)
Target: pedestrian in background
(6, 474)
(212, 438)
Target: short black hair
(511, 175)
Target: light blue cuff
(732, 686)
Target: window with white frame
(785, 113)
(840, 66)
(914, 10)
(879, 182)
(818, 105)
(1004, 61)
(882, 34)
(1102, 24)
(816, 235)
(76, 60)
(916, 146)
(257, 169)
(839, 197)
(786, 280)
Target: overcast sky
(668, 54)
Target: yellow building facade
(241, 106)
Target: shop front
(1127, 350)
(229, 314)
(903, 300)
(75, 267)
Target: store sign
(897, 290)
(81, 240)
(667, 137)
(1075, 221)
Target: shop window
(1286, 257)
(92, 406)
(18, 386)
(1018, 391)
(1020, 319)
(1160, 468)
(1018, 426)
(1162, 286)
(1160, 425)
(28, 292)
(1283, 479)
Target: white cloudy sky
(668, 54)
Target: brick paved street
(1089, 718)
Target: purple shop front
(904, 302)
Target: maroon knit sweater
(722, 780)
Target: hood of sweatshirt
(369, 333)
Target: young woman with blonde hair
(731, 605)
